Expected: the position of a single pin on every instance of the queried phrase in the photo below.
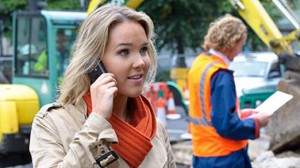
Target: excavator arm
(259, 20)
(130, 3)
(283, 136)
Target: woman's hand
(102, 94)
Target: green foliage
(271, 9)
(182, 23)
(63, 5)
(163, 76)
(8, 6)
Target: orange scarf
(135, 138)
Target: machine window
(31, 42)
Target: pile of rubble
(258, 151)
(263, 158)
(269, 160)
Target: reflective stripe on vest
(201, 93)
(203, 121)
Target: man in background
(62, 54)
(219, 132)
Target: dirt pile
(262, 157)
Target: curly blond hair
(224, 33)
(91, 43)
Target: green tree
(181, 23)
(6, 8)
(9, 6)
(63, 5)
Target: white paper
(274, 102)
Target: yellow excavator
(94, 4)
(284, 125)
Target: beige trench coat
(63, 136)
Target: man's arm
(224, 115)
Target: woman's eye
(144, 51)
(124, 52)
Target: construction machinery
(34, 34)
(94, 4)
(284, 125)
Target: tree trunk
(180, 59)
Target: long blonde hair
(91, 43)
(224, 33)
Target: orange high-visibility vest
(206, 141)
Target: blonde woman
(219, 133)
(105, 123)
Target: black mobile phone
(96, 72)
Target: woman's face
(126, 56)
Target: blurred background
(30, 29)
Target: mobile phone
(96, 72)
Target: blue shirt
(224, 117)
(227, 123)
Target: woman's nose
(139, 61)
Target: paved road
(178, 128)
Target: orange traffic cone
(161, 111)
(171, 104)
(186, 93)
(171, 114)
